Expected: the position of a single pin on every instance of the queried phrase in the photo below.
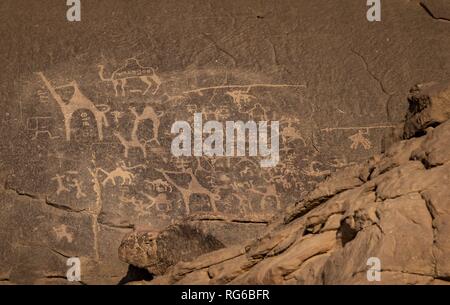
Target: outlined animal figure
(159, 185)
(78, 101)
(134, 142)
(160, 202)
(148, 114)
(120, 172)
(290, 133)
(193, 188)
(257, 112)
(131, 70)
(41, 126)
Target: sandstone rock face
(185, 241)
(428, 106)
(394, 208)
(87, 110)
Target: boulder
(157, 251)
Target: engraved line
(243, 86)
(357, 127)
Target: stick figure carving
(122, 172)
(360, 139)
(270, 191)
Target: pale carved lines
(193, 187)
(63, 184)
(155, 191)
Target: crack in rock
(438, 10)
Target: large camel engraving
(148, 113)
(77, 102)
(131, 70)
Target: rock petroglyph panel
(128, 159)
(101, 146)
(124, 141)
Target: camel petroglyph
(160, 201)
(134, 142)
(312, 170)
(131, 70)
(78, 101)
(148, 114)
(122, 172)
(360, 139)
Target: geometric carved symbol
(40, 125)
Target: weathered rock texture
(86, 111)
(438, 9)
(185, 241)
(158, 252)
(395, 207)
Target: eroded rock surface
(438, 9)
(157, 252)
(87, 109)
(394, 207)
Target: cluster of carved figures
(240, 181)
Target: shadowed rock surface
(158, 252)
(395, 207)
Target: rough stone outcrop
(395, 207)
(157, 252)
(428, 106)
